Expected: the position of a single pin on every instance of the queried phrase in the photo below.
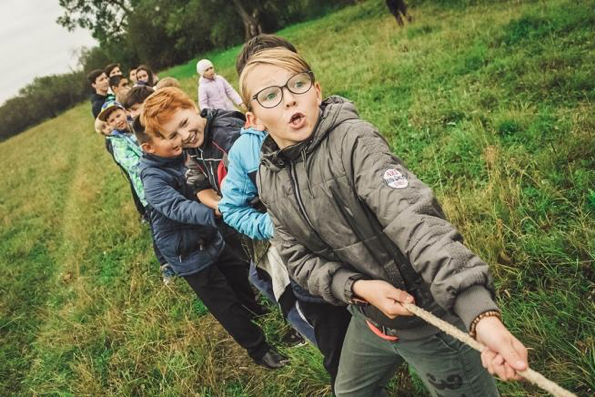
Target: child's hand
(383, 296)
(505, 354)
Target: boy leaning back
(355, 226)
(185, 230)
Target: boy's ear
(147, 147)
(254, 121)
(318, 89)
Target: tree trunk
(252, 25)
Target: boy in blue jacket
(126, 152)
(187, 235)
(242, 210)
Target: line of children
(351, 223)
(356, 227)
(186, 231)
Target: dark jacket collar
(158, 161)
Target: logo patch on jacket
(393, 178)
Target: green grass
(490, 103)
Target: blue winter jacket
(239, 193)
(239, 189)
(184, 229)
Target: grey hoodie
(345, 208)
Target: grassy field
(491, 103)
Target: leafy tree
(106, 19)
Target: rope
(532, 376)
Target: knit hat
(202, 66)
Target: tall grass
(492, 104)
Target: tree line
(158, 33)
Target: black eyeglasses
(297, 84)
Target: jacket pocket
(188, 242)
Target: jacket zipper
(302, 207)
(298, 197)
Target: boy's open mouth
(297, 120)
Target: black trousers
(225, 290)
(330, 326)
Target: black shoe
(293, 339)
(272, 359)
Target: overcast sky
(33, 44)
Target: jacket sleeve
(168, 201)
(129, 160)
(195, 177)
(412, 218)
(238, 190)
(329, 280)
(203, 98)
(231, 93)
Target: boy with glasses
(320, 322)
(356, 227)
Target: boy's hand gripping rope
(532, 376)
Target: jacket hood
(334, 111)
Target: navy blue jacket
(184, 229)
(207, 165)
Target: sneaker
(293, 339)
(167, 274)
(273, 360)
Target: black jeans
(330, 326)
(225, 290)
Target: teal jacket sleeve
(239, 190)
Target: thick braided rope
(532, 376)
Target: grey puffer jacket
(345, 208)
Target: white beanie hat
(203, 65)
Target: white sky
(32, 43)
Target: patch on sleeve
(394, 179)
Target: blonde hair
(278, 56)
(161, 105)
(167, 82)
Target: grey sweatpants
(447, 367)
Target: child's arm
(129, 160)
(168, 201)
(195, 175)
(203, 98)
(239, 190)
(209, 198)
(231, 93)
(411, 217)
